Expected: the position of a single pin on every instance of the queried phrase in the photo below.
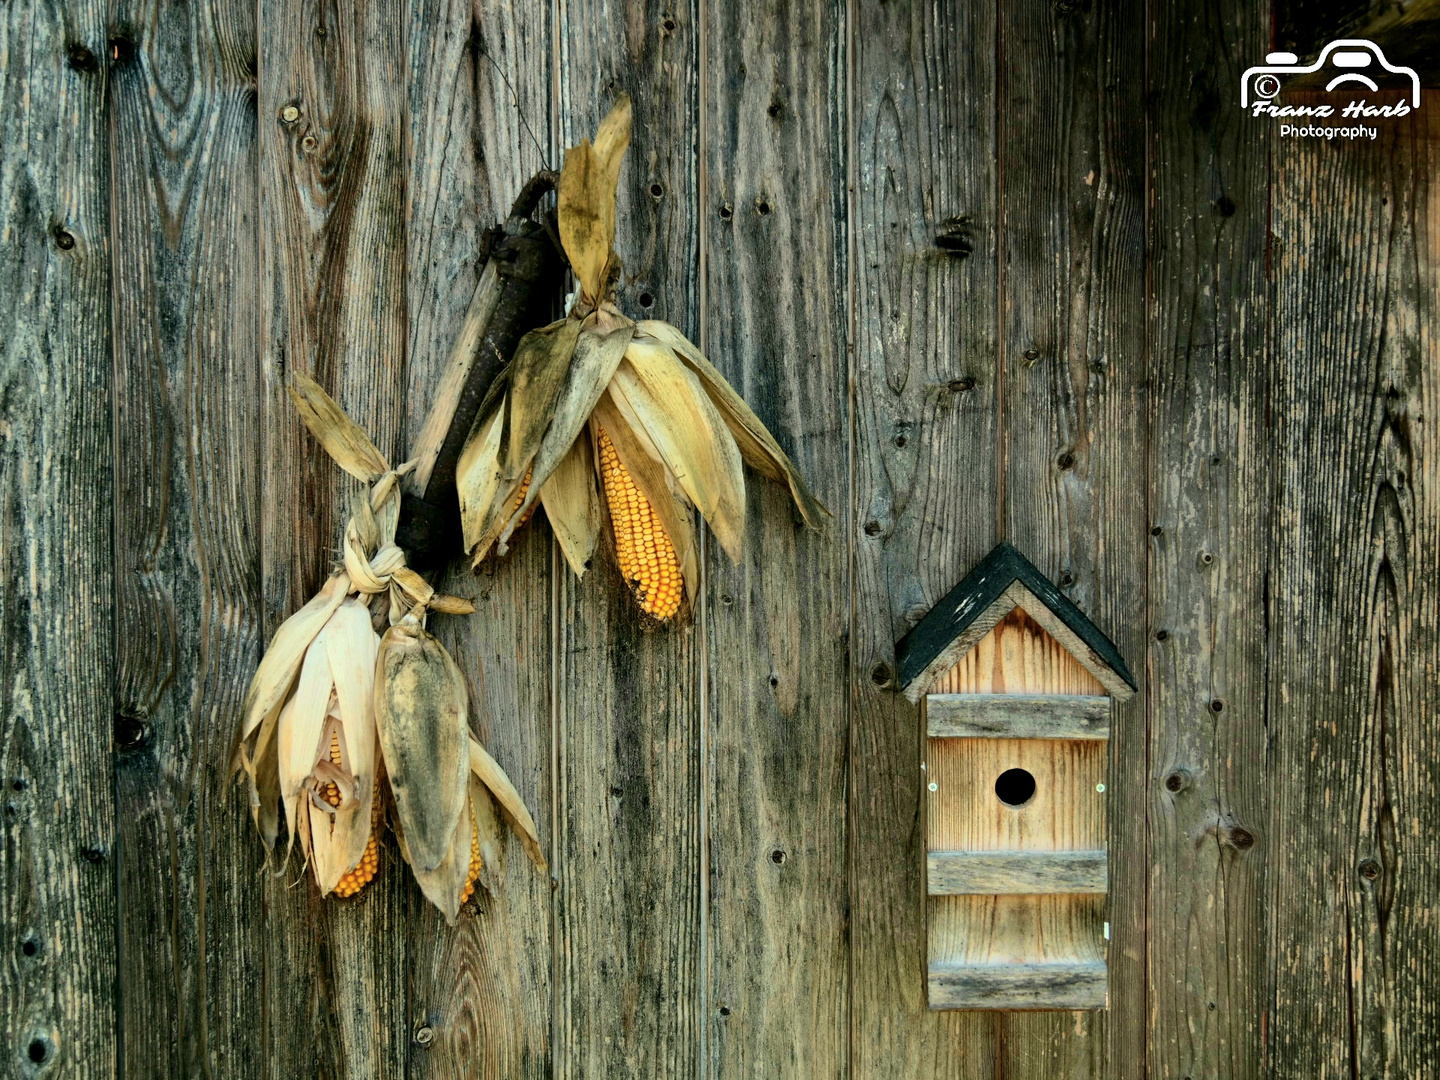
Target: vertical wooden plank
(774, 221)
(1355, 880)
(57, 886)
(925, 384)
(1072, 293)
(187, 407)
(627, 822)
(479, 101)
(1210, 493)
(332, 190)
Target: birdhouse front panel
(1015, 826)
(1015, 687)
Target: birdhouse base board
(1018, 986)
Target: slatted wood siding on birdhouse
(1017, 689)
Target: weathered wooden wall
(1019, 271)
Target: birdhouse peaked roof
(1003, 581)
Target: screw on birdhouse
(1207, 557)
(308, 144)
(425, 1036)
(933, 786)
(290, 114)
(64, 240)
(1031, 355)
(1100, 788)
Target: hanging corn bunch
(340, 722)
(633, 405)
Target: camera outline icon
(1357, 55)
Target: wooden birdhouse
(1015, 686)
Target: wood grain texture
(777, 978)
(957, 873)
(628, 919)
(187, 532)
(1354, 874)
(1018, 716)
(1210, 492)
(1015, 657)
(57, 833)
(1018, 986)
(1072, 296)
(925, 388)
(479, 84)
(332, 209)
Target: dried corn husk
(333, 708)
(682, 435)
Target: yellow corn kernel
(360, 875)
(520, 494)
(331, 791)
(647, 557)
(475, 862)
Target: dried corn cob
(642, 547)
(475, 861)
(362, 873)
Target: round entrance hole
(1015, 787)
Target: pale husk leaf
(276, 673)
(343, 439)
(572, 505)
(650, 475)
(538, 375)
(443, 883)
(491, 833)
(420, 707)
(332, 839)
(597, 355)
(263, 773)
(690, 436)
(352, 649)
(586, 199)
(477, 475)
(489, 772)
(756, 444)
(301, 724)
